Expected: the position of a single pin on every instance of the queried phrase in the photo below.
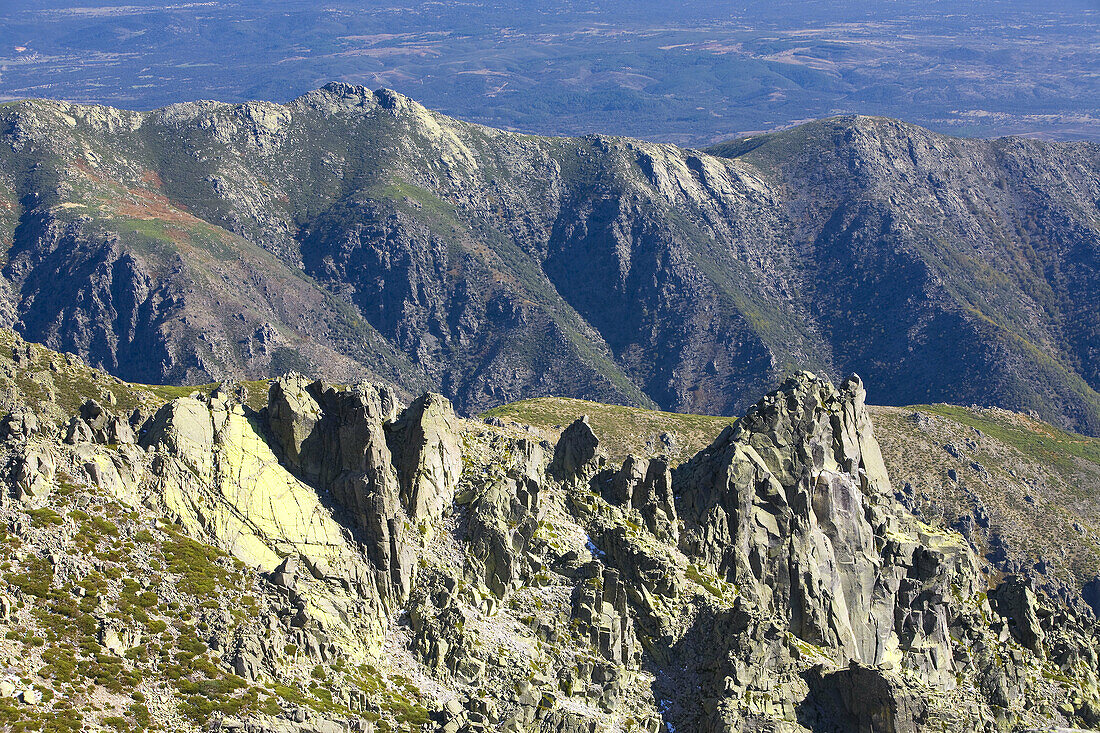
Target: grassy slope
(621, 430)
(624, 429)
(1037, 488)
(57, 384)
(1033, 438)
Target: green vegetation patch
(621, 430)
(1033, 438)
(196, 563)
(399, 699)
(16, 717)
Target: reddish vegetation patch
(152, 178)
(5, 204)
(151, 205)
(177, 235)
(87, 170)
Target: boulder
(861, 700)
(20, 423)
(292, 416)
(1015, 599)
(32, 471)
(577, 457)
(116, 637)
(286, 574)
(95, 423)
(78, 431)
(30, 696)
(94, 414)
(119, 432)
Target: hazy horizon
(688, 73)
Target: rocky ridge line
(354, 234)
(772, 582)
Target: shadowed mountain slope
(356, 233)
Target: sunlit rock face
(443, 573)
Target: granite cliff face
(355, 233)
(296, 556)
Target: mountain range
(281, 553)
(355, 234)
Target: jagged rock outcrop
(219, 478)
(336, 440)
(502, 525)
(600, 605)
(293, 413)
(1015, 600)
(403, 564)
(438, 623)
(786, 506)
(645, 485)
(793, 506)
(576, 455)
(428, 457)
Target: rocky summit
(294, 555)
(355, 234)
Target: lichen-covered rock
(424, 442)
(32, 471)
(335, 440)
(213, 473)
(645, 485)
(399, 560)
(221, 479)
(116, 637)
(292, 414)
(121, 471)
(791, 506)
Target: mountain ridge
(493, 266)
